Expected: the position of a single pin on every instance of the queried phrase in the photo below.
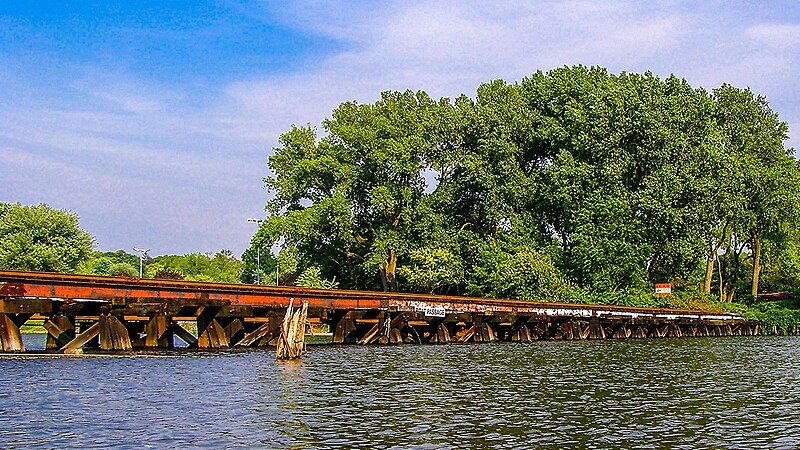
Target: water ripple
(674, 393)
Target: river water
(666, 393)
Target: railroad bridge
(120, 314)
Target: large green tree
(41, 238)
(766, 177)
(348, 201)
(573, 179)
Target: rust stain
(70, 287)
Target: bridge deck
(227, 314)
(76, 288)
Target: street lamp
(142, 254)
(258, 253)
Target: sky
(154, 121)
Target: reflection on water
(679, 393)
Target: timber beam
(10, 337)
(60, 330)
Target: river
(660, 393)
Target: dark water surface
(666, 393)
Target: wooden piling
(113, 334)
(291, 344)
(159, 333)
(60, 330)
(10, 338)
(75, 346)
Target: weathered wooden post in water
(292, 344)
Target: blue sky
(153, 121)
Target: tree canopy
(221, 267)
(41, 238)
(573, 180)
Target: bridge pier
(10, 337)
(159, 332)
(60, 330)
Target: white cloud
(775, 34)
(182, 164)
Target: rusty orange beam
(70, 287)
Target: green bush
(123, 270)
(779, 315)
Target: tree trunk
(756, 264)
(713, 256)
(388, 272)
(722, 293)
(710, 260)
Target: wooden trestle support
(284, 328)
(372, 327)
(113, 314)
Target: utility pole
(142, 254)
(258, 263)
(258, 253)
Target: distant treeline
(40, 238)
(222, 267)
(567, 185)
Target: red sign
(663, 289)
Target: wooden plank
(75, 346)
(105, 332)
(60, 331)
(374, 331)
(370, 335)
(159, 333)
(213, 336)
(466, 335)
(181, 332)
(235, 330)
(395, 336)
(113, 334)
(10, 337)
(522, 334)
(265, 332)
(442, 333)
(368, 321)
(344, 328)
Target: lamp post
(258, 253)
(142, 254)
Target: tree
(768, 177)
(571, 180)
(251, 259)
(622, 185)
(41, 238)
(101, 263)
(347, 201)
(122, 269)
(312, 278)
(220, 267)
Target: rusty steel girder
(23, 290)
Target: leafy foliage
(41, 238)
(778, 315)
(312, 278)
(123, 269)
(569, 185)
(220, 267)
(166, 273)
(101, 263)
